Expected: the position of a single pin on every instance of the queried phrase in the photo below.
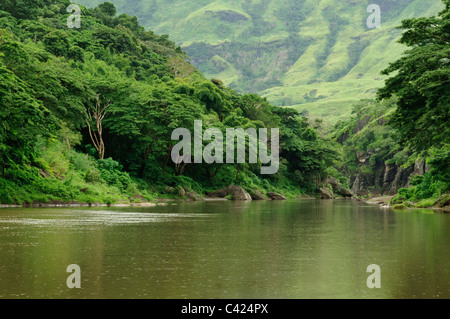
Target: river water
(224, 249)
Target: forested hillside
(316, 55)
(87, 113)
(400, 144)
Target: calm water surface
(289, 249)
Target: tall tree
(422, 82)
(95, 116)
(22, 120)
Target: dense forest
(87, 115)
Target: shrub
(93, 176)
(425, 203)
(111, 172)
(6, 189)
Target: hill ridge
(317, 56)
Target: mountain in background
(318, 56)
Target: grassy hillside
(316, 55)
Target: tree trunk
(96, 116)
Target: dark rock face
(401, 179)
(362, 123)
(386, 179)
(275, 196)
(420, 167)
(361, 184)
(343, 137)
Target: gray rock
(238, 193)
(169, 190)
(181, 192)
(326, 193)
(442, 201)
(343, 191)
(194, 196)
(275, 196)
(257, 195)
(333, 181)
(419, 167)
(221, 193)
(361, 184)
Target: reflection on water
(95, 218)
(289, 249)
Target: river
(225, 249)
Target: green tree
(422, 82)
(57, 43)
(22, 9)
(23, 119)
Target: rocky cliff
(386, 179)
(374, 162)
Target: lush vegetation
(422, 85)
(410, 120)
(59, 84)
(318, 56)
(87, 113)
(373, 150)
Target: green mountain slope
(316, 55)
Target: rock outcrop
(257, 195)
(275, 196)
(236, 192)
(194, 196)
(221, 193)
(338, 188)
(443, 201)
(384, 179)
(326, 193)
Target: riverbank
(77, 204)
(233, 192)
(441, 203)
(170, 195)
